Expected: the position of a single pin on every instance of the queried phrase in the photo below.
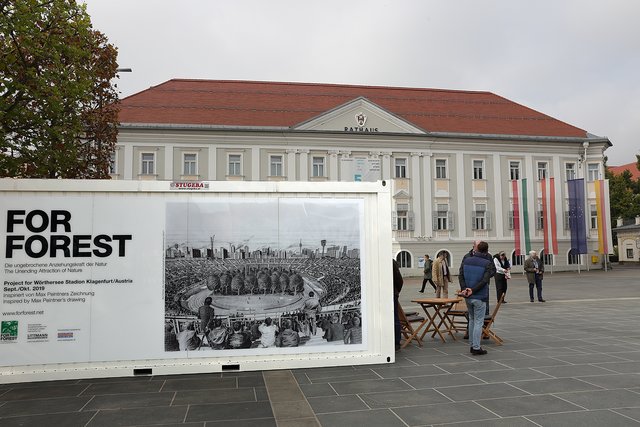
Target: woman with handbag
(503, 272)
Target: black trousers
(501, 285)
(424, 283)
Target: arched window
(404, 259)
(573, 259)
(547, 259)
(517, 259)
(447, 256)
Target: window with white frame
(404, 259)
(441, 168)
(113, 165)
(402, 216)
(317, 166)
(570, 171)
(517, 259)
(629, 253)
(593, 215)
(442, 218)
(539, 217)
(479, 218)
(235, 163)
(593, 171)
(147, 163)
(511, 219)
(514, 170)
(542, 170)
(547, 259)
(189, 164)
(573, 259)
(478, 169)
(401, 168)
(275, 165)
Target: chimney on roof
(638, 220)
(619, 222)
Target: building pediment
(359, 116)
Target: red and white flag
(605, 243)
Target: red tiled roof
(631, 167)
(247, 103)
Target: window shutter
(474, 223)
(434, 220)
(510, 220)
(450, 221)
(411, 221)
(394, 221)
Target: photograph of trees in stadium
(260, 273)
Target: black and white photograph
(264, 273)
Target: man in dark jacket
(475, 272)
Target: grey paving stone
(191, 397)
(229, 411)
(291, 410)
(373, 418)
(574, 371)
(442, 413)
(589, 358)
(301, 378)
(299, 422)
(583, 419)
(480, 391)
(356, 376)
(42, 406)
(408, 371)
(528, 405)
(554, 385)
(614, 381)
(68, 419)
(622, 367)
(336, 404)
(256, 422)
(43, 392)
(629, 355)
(139, 416)
(432, 381)
(317, 373)
(200, 384)
(317, 390)
(633, 413)
(478, 366)
(495, 422)
(367, 386)
(441, 358)
(551, 352)
(129, 400)
(403, 398)
(603, 399)
(128, 387)
(261, 393)
(511, 375)
(250, 381)
(534, 362)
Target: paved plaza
(571, 361)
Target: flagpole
(587, 211)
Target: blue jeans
(476, 310)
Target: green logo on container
(9, 330)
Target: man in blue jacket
(475, 272)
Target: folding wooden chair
(487, 332)
(459, 316)
(408, 331)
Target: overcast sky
(575, 60)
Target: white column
(212, 163)
(333, 165)
(429, 206)
(128, 162)
(304, 165)
(386, 166)
(168, 162)
(255, 164)
(532, 193)
(416, 194)
(291, 164)
(462, 203)
(498, 186)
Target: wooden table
(437, 320)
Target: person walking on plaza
(534, 268)
(503, 272)
(441, 275)
(428, 274)
(475, 272)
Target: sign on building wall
(360, 169)
(264, 278)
